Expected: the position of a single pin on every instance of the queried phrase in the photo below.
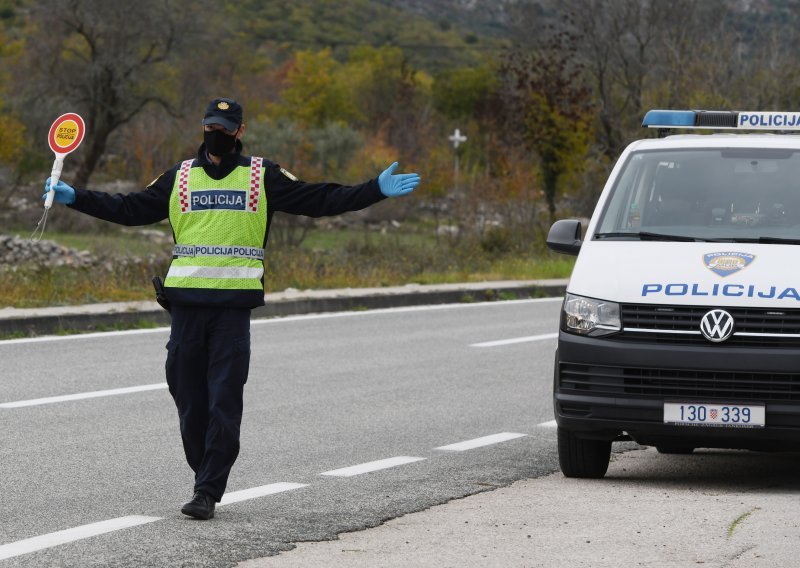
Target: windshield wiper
(764, 240)
(646, 236)
(778, 241)
(768, 241)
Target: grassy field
(124, 242)
(326, 259)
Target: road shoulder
(714, 508)
(21, 322)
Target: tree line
(337, 90)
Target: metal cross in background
(456, 138)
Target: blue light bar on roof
(721, 120)
(669, 118)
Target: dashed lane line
(514, 340)
(81, 396)
(255, 492)
(371, 466)
(50, 540)
(480, 442)
(550, 424)
(70, 535)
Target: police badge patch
(726, 263)
(152, 183)
(288, 175)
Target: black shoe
(200, 507)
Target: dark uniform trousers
(207, 364)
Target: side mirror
(565, 236)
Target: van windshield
(731, 194)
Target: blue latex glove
(64, 193)
(396, 185)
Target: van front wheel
(579, 457)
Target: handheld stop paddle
(65, 135)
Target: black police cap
(226, 112)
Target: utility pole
(456, 138)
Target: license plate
(730, 415)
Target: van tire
(579, 457)
(674, 450)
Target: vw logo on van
(717, 325)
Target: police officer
(220, 205)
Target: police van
(680, 328)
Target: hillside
(480, 17)
(434, 35)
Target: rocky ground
(24, 207)
(16, 251)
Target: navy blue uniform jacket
(282, 194)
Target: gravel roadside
(714, 509)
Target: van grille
(664, 324)
(678, 383)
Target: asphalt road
(325, 393)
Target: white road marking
(550, 424)
(81, 396)
(428, 308)
(516, 340)
(254, 492)
(277, 320)
(371, 466)
(94, 335)
(69, 535)
(479, 442)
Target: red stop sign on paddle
(66, 133)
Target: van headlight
(587, 316)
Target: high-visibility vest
(219, 227)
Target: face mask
(218, 143)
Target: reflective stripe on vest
(255, 185)
(183, 185)
(220, 227)
(214, 272)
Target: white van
(681, 324)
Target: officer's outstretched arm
(131, 209)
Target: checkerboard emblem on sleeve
(254, 195)
(183, 185)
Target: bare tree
(618, 43)
(548, 105)
(640, 52)
(110, 60)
